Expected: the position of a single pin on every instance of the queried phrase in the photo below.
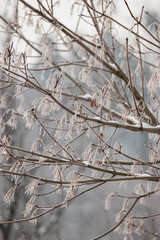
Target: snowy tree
(79, 104)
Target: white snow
(86, 163)
(86, 96)
(142, 175)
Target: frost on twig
(9, 196)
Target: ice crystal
(140, 229)
(15, 168)
(154, 81)
(129, 223)
(85, 76)
(29, 206)
(13, 122)
(9, 196)
(3, 102)
(31, 188)
(108, 201)
(29, 119)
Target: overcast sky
(62, 13)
